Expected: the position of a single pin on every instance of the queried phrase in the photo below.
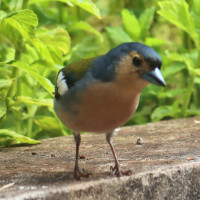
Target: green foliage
(31, 55)
(134, 29)
(87, 5)
(3, 108)
(118, 34)
(8, 137)
(39, 37)
(177, 12)
(137, 27)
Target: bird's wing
(74, 72)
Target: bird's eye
(137, 61)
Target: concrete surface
(165, 165)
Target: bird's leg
(116, 169)
(78, 173)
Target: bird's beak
(154, 76)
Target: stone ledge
(165, 166)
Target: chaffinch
(100, 94)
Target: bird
(100, 94)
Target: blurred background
(37, 38)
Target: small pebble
(82, 156)
(139, 141)
(33, 187)
(44, 186)
(190, 158)
(21, 187)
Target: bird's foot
(78, 173)
(117, 170)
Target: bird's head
(136, 62)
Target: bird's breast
(101, 107)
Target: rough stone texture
(166, 165)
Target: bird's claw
(78, 173)
(116, 170)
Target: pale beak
(154, 76)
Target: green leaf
(4, 133)
(196, 14)
(118, 34)
(177, 12)
(192, 62)
(44, 82)
(7, 53)
(3, 108)
(154, 42)
(57, 38)
(173, 56)
(145, 21)
(87, 5)
(5, 84)
(33, 101)
(193, 112)
(161, 112)
(171, 93)
(49, 124)
(174, 68)
(131, 24)
(2, 14)
(196, 72)
(167, 111)
(30, 54)
(23, 21)
(86, 27)
(197, 80)
(39, 1)
(41, 65)
(51, 45)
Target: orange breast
(102, 108)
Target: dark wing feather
(76, 71)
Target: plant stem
(15, 73)
(60, 12)
(188, 96)
(78, 12)
(15, 7)
(25, 4)
(31, 110)
(31, 113)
